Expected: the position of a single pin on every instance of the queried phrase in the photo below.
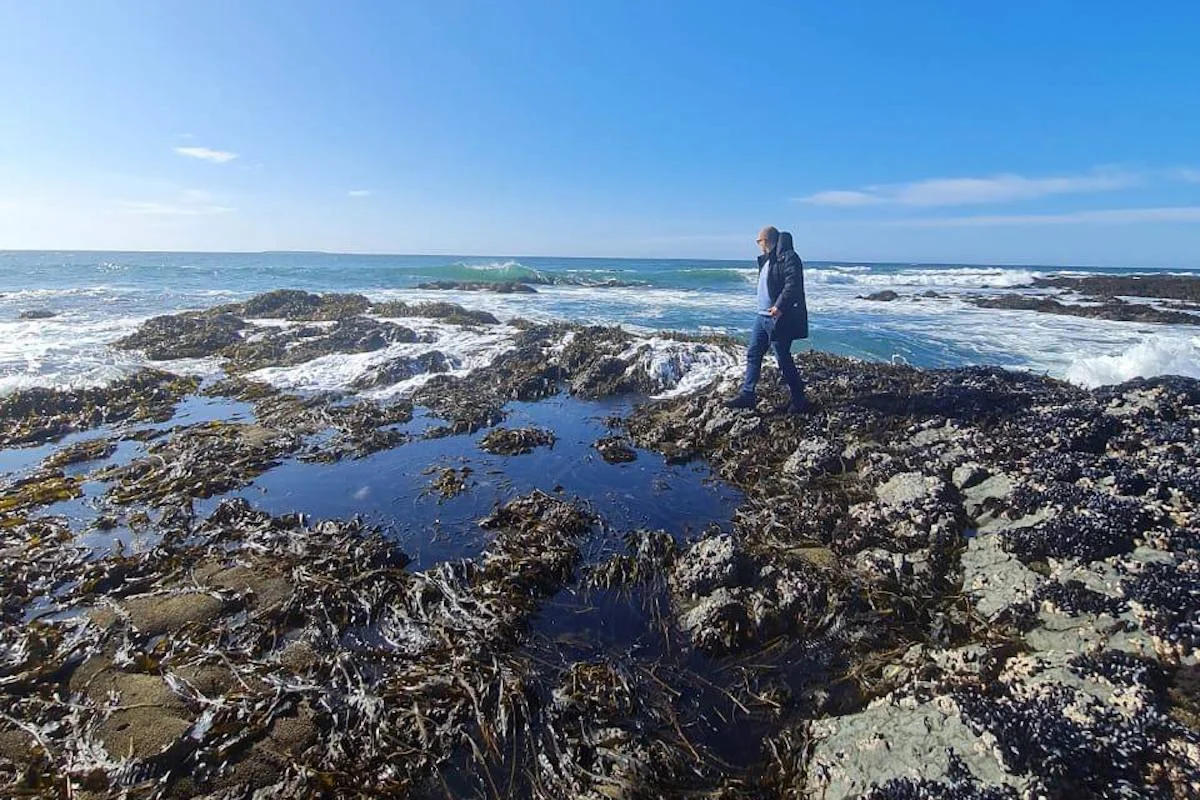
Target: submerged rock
(37, 313)
(886, 296)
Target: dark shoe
(741, 401)
(802, 407)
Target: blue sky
(1016, 132)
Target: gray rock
(812, 455)
(907, 488)
(895, 738)
(931, 436)
(721, 421)
(995, 579)
(966, 476)
(997, 487)
(884, 567)
(705, 566)
(744, 426)
(38, 313)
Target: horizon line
(847, 261)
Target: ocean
(99, 297)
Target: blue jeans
(760, 341)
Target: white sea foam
(464, 349)
(948, 278)
(681, 367)
(1154, 355)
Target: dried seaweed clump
(516, 441)
(261, 653)
(198, 461)
(449, 482)
(611, 732)
(616, 450)
(41, 488)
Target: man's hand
(774, 312)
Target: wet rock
(516, 441)
(156, 614)
(615, 450)
(985, 495)
(191, 335)
(34, 416)
(605, 377)
(37, 313)
(725, 600)
(1112, 310)
(294, 304)
(886, 296)
(718, 621)
(894, 570)
(506, 287)
(258, 584)
(1176, 287)
(451, 313)
(141, 732)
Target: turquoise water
(98, 297)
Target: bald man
(782, 318)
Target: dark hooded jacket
(785, 284)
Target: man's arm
(791, 280)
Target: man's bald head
(767, 238)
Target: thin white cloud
(206, 154)
(196, 196)
(359, 193)
(970, 191)
(173, 209)
(840, 197)
(1113, 216)
(1188, 175)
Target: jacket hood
(784, 244)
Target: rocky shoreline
(957, 583)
